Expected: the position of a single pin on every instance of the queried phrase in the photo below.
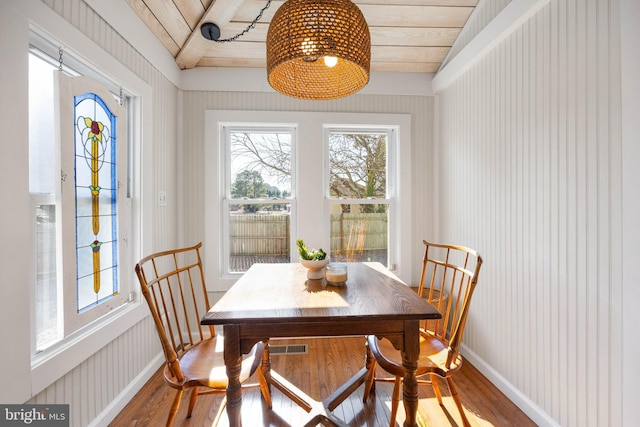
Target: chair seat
(433, 356)
(203, 365)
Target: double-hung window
(360, 193)
(333, 180)
(258, 192)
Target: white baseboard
(526, 405)
(117, 405)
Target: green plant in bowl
(312, 255)
(313, 260)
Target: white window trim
(51, 364)
(310, 128)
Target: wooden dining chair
(173, 285)
(448, 279)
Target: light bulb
(330, 61)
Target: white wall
(536, 175)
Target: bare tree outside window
(358, 167)
(268, 153)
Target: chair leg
(192, 401)
(395, 401)
(174, 408)
(264, 388)
(369, 385)
(223, 405)
(436, 388)
(456, 399)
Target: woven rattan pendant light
(304, 38)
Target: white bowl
(315, 268)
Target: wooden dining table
(278, 301)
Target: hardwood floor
(329, 362)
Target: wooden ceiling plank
(171, 19)
(408, 54)
(381, 36)
(253, 50)
(248, 50)
(415, 16)
(220, 12)
(233, 62)
(413, 36)
(250, 9)
(141, 9)
(191, 11)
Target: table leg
(233, 364)
(265, 374)
(411, 345)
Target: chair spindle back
(173, 285)
(447, 281)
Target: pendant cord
(249, 27)
(60, 51)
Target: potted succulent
(313, 260)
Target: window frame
(49, 365)
(310, 146)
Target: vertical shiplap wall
(92, 386)
(530, 176)
(420, 108)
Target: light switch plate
(162, 198)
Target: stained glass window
(96, 207)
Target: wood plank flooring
(329, 363)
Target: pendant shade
(318, 50)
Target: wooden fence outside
(259, 234)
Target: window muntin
(259, 190)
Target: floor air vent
(275, 350)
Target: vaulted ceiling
(406, 35)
